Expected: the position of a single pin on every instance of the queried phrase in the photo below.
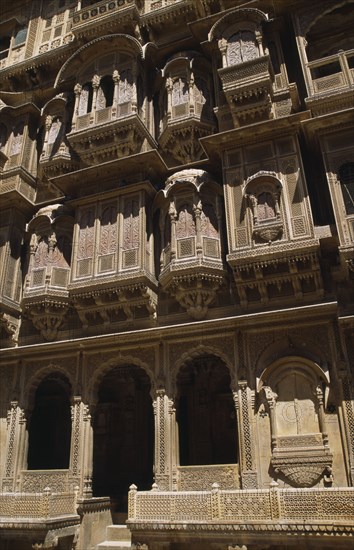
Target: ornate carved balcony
(109, 133)
(330, 83)
(46, 298)
(104, 16)
(191, 260)
(116, 283)
(248, 87)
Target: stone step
(114, 545)
(118, 533)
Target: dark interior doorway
(50, 425)
(206, 413)
(123, 435)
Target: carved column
(165, 442)
(191, 94)
(77, 92)
(14, 444)
(169, 87)
(223, 50)
(134, 90)
(95, 85)
(197, 207)
(77, 440)
(48, 125)
(116, 80)
(346, 416)
(321, 415)
(87, 453)
(173, 216)
(243, 403)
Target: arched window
(107, 87)
(265, 206)
(242, 46)
(50, 425)
(85, 105)
(346, 177)
(206, 413)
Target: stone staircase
(118, 538)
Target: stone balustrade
(340, 69)
(37, 505)
(328, 506)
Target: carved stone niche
(293, 390)
(56, 157)
(262, 193)
(190, 247)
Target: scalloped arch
(34, 381)
(253, 15)
(129, 43)
(104, 369)
(195, 353)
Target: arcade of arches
(122, 422)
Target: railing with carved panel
(100, 10)
(200, 478)
(330, 506)
(151, 5)
(339, 69)
(103, 116)
(33, 481)
(37, 505)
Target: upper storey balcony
(185, 106)
(191, 263)
(111, 114)
(328, 65)
(253, 74)
(99, 17)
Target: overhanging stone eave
(124, 14)
(253, 132)
(148, 162)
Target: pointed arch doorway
(123, 425)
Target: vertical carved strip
(349, 417)
(12, 443)
(247, 462)
(76, 436)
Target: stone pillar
(243, 403)
(191, 95)
(95, 85)
(116, 80)
(271, 398)
(77, 441)
(165, 459)
(173, 216)
(14, 447)
(197, 207)
(87, 453)
(169, 87)
(77, 92)
(48, 125)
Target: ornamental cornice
(160, 15)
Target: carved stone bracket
(195, 293)
(10, 325)
(47, 316)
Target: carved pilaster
(243, 401)
(77, 440)
(14, 446)
(87, 453)
(165, 441)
